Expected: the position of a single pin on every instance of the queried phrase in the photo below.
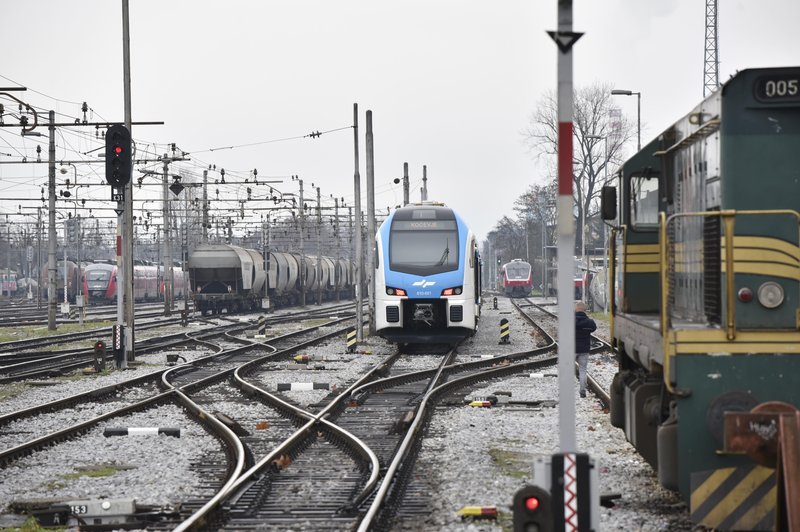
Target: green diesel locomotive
(705, 293)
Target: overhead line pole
(370, 224)
(51, 229)
(127, 239)
(359, 252)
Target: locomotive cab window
(644, 202)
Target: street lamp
(621, 92)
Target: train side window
(644, 201)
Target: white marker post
(570, 503)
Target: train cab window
(424, 248)
(644, 201)
(97, 275)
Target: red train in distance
(517, 278)
(100, 283)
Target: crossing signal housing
(119, 164)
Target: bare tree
(509, 239)
(598, 144)
(536, 211)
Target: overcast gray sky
(451, 83)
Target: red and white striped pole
(565, 38)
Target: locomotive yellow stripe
(641, 248)
(704, 491)
(643, 258)
(765, 268)
(745, 495)
(693, 341)
(642, 268)
(762, 255)
(758, 512)
(764, 242)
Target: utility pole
(370, 224)
(336, 275)
(168, 277)
(359, 259)
(319, 248)
(302, 249)
(51, 229)
(405, 185)
(39, 229)
(424, 182)
(128, 202)
(205, 206)
(265, 229)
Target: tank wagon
(427, 277)
(705, 300)
(231, 279)
(516, 278)
(226, 278)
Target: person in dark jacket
(584, 325)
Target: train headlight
(770, 294)
(395, 291)
(455, 291)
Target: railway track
(339, 458)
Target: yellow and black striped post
(505, 332)
(262, 325)
(352, 340)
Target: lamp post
(621, 92)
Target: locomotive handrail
(728, 217)
(703, 131)
(611, 280)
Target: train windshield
(423, 247)
(98, 275)
(518, 271)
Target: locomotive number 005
(778, 89)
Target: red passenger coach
(100, 283)
(517, 278)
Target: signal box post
(565, 499)
(118, 339)
(119, 167)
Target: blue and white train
(427, 276)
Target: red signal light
(532, 503)
(117, 149)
